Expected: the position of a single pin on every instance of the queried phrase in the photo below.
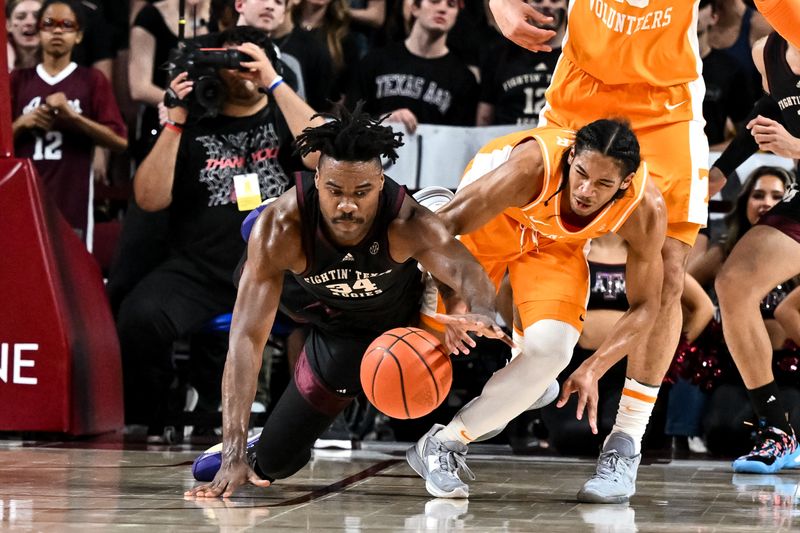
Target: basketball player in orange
(638, 59)
(528, 204)
(339, 251)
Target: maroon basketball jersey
(63, 155)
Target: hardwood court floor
(55, 487)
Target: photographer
(209, 173)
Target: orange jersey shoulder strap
(497, 151)
(543, 215)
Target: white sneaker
(615, 478)
(438, 464)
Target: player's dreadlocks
(350, 136)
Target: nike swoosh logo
(670, 107)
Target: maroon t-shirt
(63, 155)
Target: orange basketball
(406, 373)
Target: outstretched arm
(513, 184)
(270, 244)
(420, 235)
(644, 232)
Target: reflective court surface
(109, 487)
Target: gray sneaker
(615, 479)
(547, 397)
(438, 464)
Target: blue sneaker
(774, 450)
(615, 478)
(206, 466)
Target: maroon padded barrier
(60, 367)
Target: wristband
(275, 83)
(173, 126)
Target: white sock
(634, 410)
(455, 431)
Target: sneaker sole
(415, 462)
(593, 497)
(757, 467)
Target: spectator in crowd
(727, 98)
(398, 23)
(153, 34)
(223, 15)
(737, 29)
(61, 111)
(329, 21)
(366, 18)
(207, 173)
(419, 81)
(300, 50)
(761, 190)
(96, 49)
(23, 36)
(514, 80)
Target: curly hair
(350, 136)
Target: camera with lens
(202, 64)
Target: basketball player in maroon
(61, 112)
(339, 251)
(773, 126)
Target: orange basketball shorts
(548, 282)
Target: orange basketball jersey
(634, 41)
(540, 223)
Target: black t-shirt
(204, 218)
(350, 57)
(150, 19)
(115, 13)
(728, 94)
(437, 91)
(98, 38)
(514, 80)
(315, 64)
(471, 34)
